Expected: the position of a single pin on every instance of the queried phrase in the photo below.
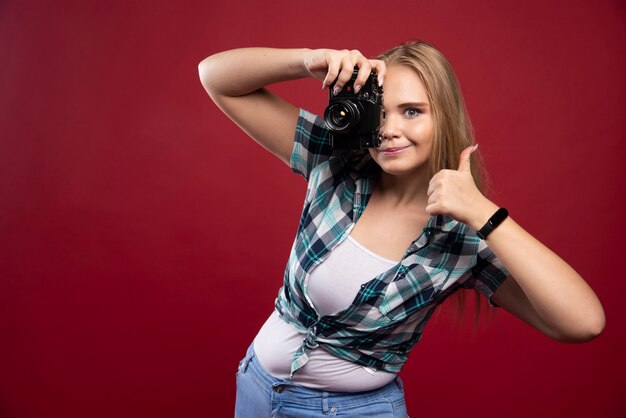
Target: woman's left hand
(454, 193)
(547, 292)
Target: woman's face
(408, 128)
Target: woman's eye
(411, 112)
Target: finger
(331, 74)
(345, 74)
(433, 198)
(381, 70)
(431, 187)
(436, 181)
(433, 209)
(365, 70)
(464, 160)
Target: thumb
(464, 160)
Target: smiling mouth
(392, 151)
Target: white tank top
(332, 287)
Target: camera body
(353, 119)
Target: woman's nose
(389, 129)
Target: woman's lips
(393, 150)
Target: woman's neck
(404, 191)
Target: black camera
(353, 119)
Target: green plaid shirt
(389, 313)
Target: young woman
(385, 236)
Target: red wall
(143, 236)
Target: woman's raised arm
(236, 82)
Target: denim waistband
(284, 387)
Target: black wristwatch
(497, 218)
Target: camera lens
(341, 116)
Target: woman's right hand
(236, 81)
(330, 65)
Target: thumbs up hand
(454, 193)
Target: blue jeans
(261, 395)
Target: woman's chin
(398, 169)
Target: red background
(143, 236)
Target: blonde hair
(453, 130)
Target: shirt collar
(442, 223)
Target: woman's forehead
(403, 85)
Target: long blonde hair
(453, 130)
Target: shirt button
(333, 409)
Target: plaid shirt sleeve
(311, 144)
(488, 274)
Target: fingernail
(336, 91)
(323, 86)
(475, 147)
(357, 89)
(381, 79)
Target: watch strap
(497, 218)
